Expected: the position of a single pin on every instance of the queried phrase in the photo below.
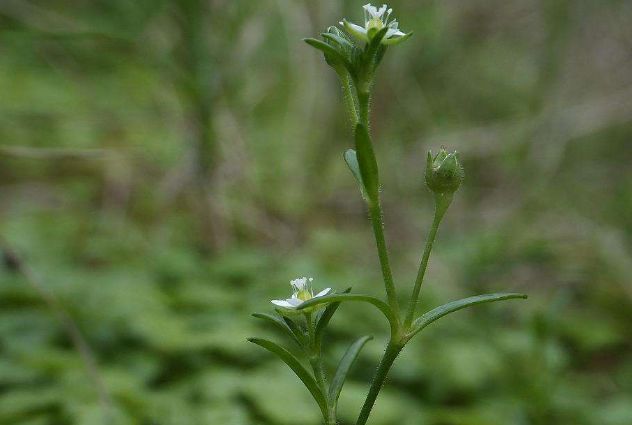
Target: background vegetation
(166, 167)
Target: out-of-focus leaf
(298, 369)
(343, 368)
(280, 324)
(326, 316)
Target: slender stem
(375, 212)
(442, 202)
(316, 362)
(364, 103)
(377, 222)
(314, 354)
(391, 353)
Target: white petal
(282, 303)
(323, 293)
(396, 39)
(393, 32)
(294, 302)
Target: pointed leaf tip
(435, 314)
(351, 159)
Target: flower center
(304, 294)
(374, 23)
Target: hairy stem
(375, 213)
(442, 202)
(377, 222)
(364, 103)
(392, 349)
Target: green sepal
(279, 323)
(437, 313)
(444, 172)
(376, 40)
(341, 41)
(381, 305)
(367, 163)
(296, 330)
(352, 162)
(332, 54)
(296, 366)
(326, 48)
(325, 317)
(343, 368)
(352, 31)
(373, 54)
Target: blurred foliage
(167, 166)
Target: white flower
(374, 20)
(301, 292)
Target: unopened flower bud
(444, 173)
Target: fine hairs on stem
(354, 52)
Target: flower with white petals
(374, 20)
(301, 292)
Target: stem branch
(442, 202)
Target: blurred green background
(166, 167)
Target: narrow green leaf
(352, 162)
(279, 323)
(325, 317)
(381, 305)
(300, 371)
(296, 330)
(367, 162)
(343, 368)
(437, 313)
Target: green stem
(375, 212)
(316, 361)
(442, 202)
(364, 102)
(377, 222)
(391, 353)
(321, 379)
